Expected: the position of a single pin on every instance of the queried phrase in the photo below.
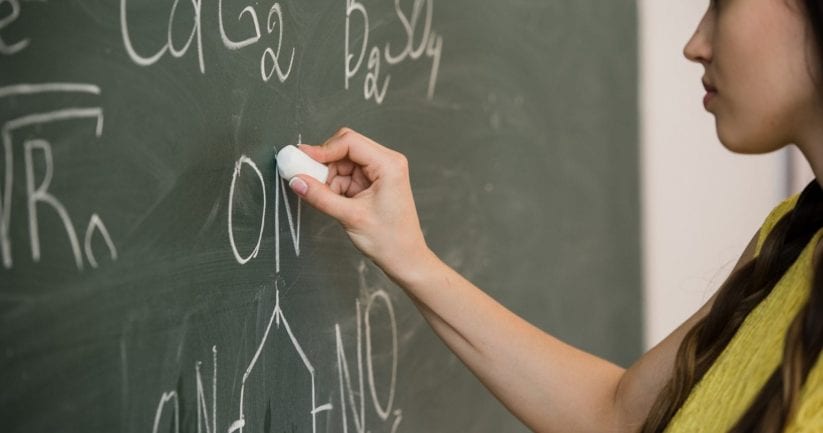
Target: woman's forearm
(549, 385)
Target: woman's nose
(698, 49)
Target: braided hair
(777, 401)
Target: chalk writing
(347, 393)
(275, 19)
(237, 167)
(208, 423)
(167, 397)
(96, 224)
(202, 409)
(349, 396)
(279, 318)
(382, 411)
(33, 89)
(169, 44)
(352, 400)
(38, 193)
(280, 195)
(273, 56)
(430, 44)
(366, 373)
(41, 195)
(270, 62)
(294, 221)
(171, 398)
(7, 48)
(236, 45)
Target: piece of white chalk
(292, 161)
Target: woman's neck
(810, 143)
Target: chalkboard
(157, 276)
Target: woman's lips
(708, 99)
(711, 92)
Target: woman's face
(760, 65)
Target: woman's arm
(549, 385)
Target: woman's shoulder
(774, 216)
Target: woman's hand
(369, 192)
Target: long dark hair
(777, 401)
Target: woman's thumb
(321, 197)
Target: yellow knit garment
(731, 384)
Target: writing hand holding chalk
(545, 382)
(368, 190)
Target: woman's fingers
(323, 198)
(354, 161)
(349, 185)
(341, 185)
(343, 168)
(359, 180)
(348, 144)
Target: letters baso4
(417, 21)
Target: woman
(746, 361)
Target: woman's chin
(741, 144)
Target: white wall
(701, 203)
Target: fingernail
(299, 186)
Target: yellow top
(731, 384)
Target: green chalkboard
(157, 276)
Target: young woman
(746, 361)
